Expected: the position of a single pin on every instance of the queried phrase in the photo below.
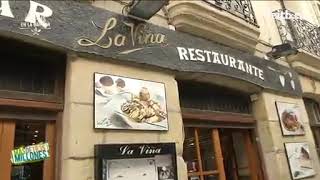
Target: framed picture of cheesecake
(299, 159)
(135, 161)
(290, 120)
(128, 103)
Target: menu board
(136, 161)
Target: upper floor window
(313, 110)
(212, 98)
(31, 73)
(299, 32)
(240, 8)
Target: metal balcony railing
(297, 31)
(240, 8)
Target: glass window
(35, 77)
(204, 146)
(189, 154)
(241, 156)
(28, 133)
(313, 110)
(199, 154)
(207, 150)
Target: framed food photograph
(128, 103)
(135, 161)
(299, 159)
(290, 120)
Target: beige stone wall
(268, 126)
(268, 30)
(310, 87)
(269, 35)
(271, 139)
(303, 8)
(159, 19)
(79, 135)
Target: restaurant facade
(87, 92)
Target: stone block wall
(271, 139)
(78, 133)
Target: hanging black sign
(86, 29)
(136, 161)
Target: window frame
(215, 120)
(17, 52)
(56, 97)
(25, 106)
(313, 111)
(7, 130)
(217, 153)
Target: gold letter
(139, 33)
(110, 24)
(160, 38)
(131, 25)
(122, 39)
(152, 38)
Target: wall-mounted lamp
(282, 50)
(145, 9)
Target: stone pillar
(271, 139)
(79, 135)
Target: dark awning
(82, 28)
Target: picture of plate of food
(139, 111)
(289, 116)
(143, 109)
(299, 159)
(290, 120)
(305, 160)
(126, 103)
(107, 86)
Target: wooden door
(49, 164)
(203, 155)
(220, 154)
(253, 157)
(12, 136)
(7, 131)
(240, 155)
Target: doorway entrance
(220, 153)
(31, 103)
(27, 131)
(220, 141)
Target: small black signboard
(136, 161)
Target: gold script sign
(138, 36)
